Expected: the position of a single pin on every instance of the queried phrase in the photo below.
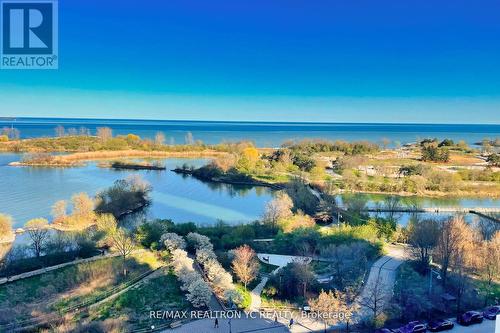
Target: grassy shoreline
(76, 159)
(335, 167)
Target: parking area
(487, 326)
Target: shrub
(124, 196)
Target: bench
(176, 324)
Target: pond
(28, 192)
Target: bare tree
(84, 131)
(376, 297)
(189, 139)
(72, 131)
(423, 236)
(304, 274)
(11, 132)
(460, 279)
(452, 233)
(245, 264)
(393, 206)
(104, 133)
(278, 208)
(486, 227)
(38, 230)
(123, 244)
(159, 139)
(489, 263)
(5, 227)
(59, 131)
(83, 207)
(346, 261)
(59, 211)
(332, 308)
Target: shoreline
(77, 159)
(277, 186)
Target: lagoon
(28, 192)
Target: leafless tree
(189, 139)
(59, 211)
(278, 208)
(452, 233)
(423, 236)
(72, 131)
(5, 226)
(245, 264)
(123, 244)
(84, 131)
(159, 139)
(38, 231)
(489, 263)
(60, 131)
(376, 298)
(333, 308)
(104, 133)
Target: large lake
(264, 134)
(26, 192)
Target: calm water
(27, 193)
(264, 134)
(378, 200)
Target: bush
(126, 195)
(432, 153)
(151, 232)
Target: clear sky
(274, 60)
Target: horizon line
(13, 118)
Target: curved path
(383, 272)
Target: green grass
(136, 265)
(159, 293)
(69, 286)
(247, 299)
(267, 268)
(320, 267)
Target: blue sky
(276, 60)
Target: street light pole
(432, 271)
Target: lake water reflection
(27, 193)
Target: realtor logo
(29, 34)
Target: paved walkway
(280, 260)
(383, 271)
(242, 325)
(256, 300)
(277, 260)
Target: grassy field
(56, 290)
(158, 293)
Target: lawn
(160, 293)
(247, 299)
(51, 292)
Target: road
(488, 326)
